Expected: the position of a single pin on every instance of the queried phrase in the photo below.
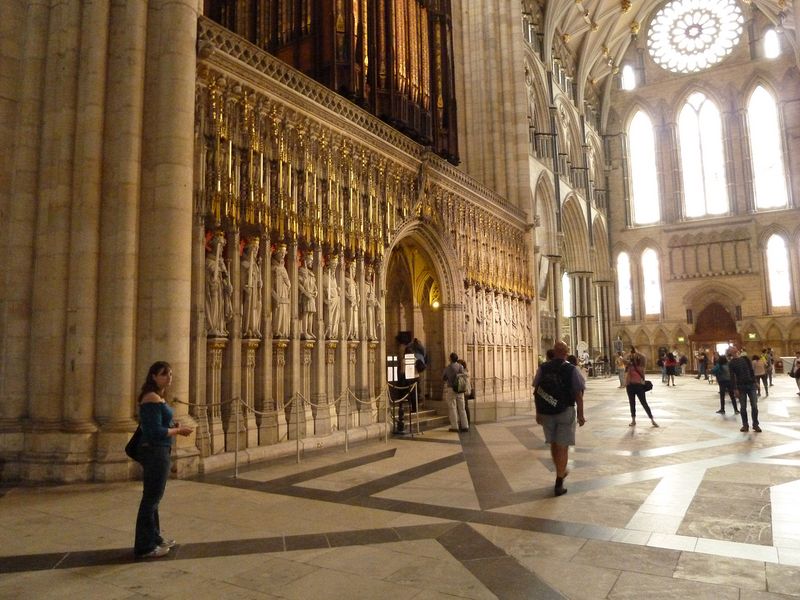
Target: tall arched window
(705, 190)
(778, 272)
(769, 176)
(628, 78)
(644, 177)
(651, 278)
(566, 295)
(624, 285)
(772, 44)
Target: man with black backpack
(558, 395)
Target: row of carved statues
(493, 318)
(337, 300)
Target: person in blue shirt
(158, 429)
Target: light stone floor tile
(531, 544)
(753, 595)
(783, 579)
(747, 574)
(789, 556)
(582, 582)
(672, 542)
(737, 550)
(637, 586)
(626, 557)
(57, 585)
(449, 487)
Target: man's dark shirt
(741, 371)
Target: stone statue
(219, 290)
(480, 317)
(353, 300)
(469, 313)
(307, 288)
(372, 306)
(252, 285)
(332, 299)
(281, 287)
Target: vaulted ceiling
(597, 33)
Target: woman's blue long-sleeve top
(155, 419)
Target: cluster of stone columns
(98, 228)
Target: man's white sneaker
(167, 543)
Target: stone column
(116, 384)
(232, 363)
(51, 242)
(210, 427)
(84, 226)
(361, 381)
(249, 349)
(269, 425)
(164, 290)
(279, 391)
(47, 451)
(319, 394)
(17, 241)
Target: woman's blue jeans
(156, 465)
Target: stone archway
(423, 299)
(714, 325)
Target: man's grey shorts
(560, 428)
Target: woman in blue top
(155, 419)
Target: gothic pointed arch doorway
(420, 302)
(714, 329)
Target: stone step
(425, 420)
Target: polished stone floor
(692, 509)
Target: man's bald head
(560, 349)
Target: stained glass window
(691, 35)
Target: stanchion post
(236, 454)
(297, 425)
(347, 420)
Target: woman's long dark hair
(149, 385)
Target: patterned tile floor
(692, 509)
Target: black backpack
(554, 392)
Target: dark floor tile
(464, 543)
(423, 532)
(228, 548)
(306, 542)
(509, 580)
(30, 562)
(362, 537)
(96, 558)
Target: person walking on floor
(760, 371)
(455, 399)
(558, 398)
(795, 370)
(670, 364)
(155, 419)
(620, 364)
(634, 378)
(744, 381)
(722, 373)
